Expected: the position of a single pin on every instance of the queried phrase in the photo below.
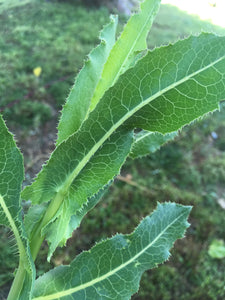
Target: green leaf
(66, 224)
(78, 102)
(98, 172)
(165, 90)
(131, 41)
(146, 142)
(11, 177)
(113, 268)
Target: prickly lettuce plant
(126, 101)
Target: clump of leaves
(121, 88)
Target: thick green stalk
(21, 272)
(17, 283)
(35, 245)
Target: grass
(56, 36)
(53, 36)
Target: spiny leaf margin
(145, 106)
(77, 105)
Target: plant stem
(17, 283)
(35, 245)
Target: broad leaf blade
(113, 268)
(11, 174)
(146, 142)
(131, 41)
(191, 82)
(164, 91)
(77, 105)
(11, 177)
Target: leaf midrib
(126, 56)
(133, 46)
(94, 149)
(13, 227)
(111, 273)
(143, 136)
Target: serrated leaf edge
(83, 162)
(122, 40)
(90, 56)
(105, 276)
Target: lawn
(56, 37)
